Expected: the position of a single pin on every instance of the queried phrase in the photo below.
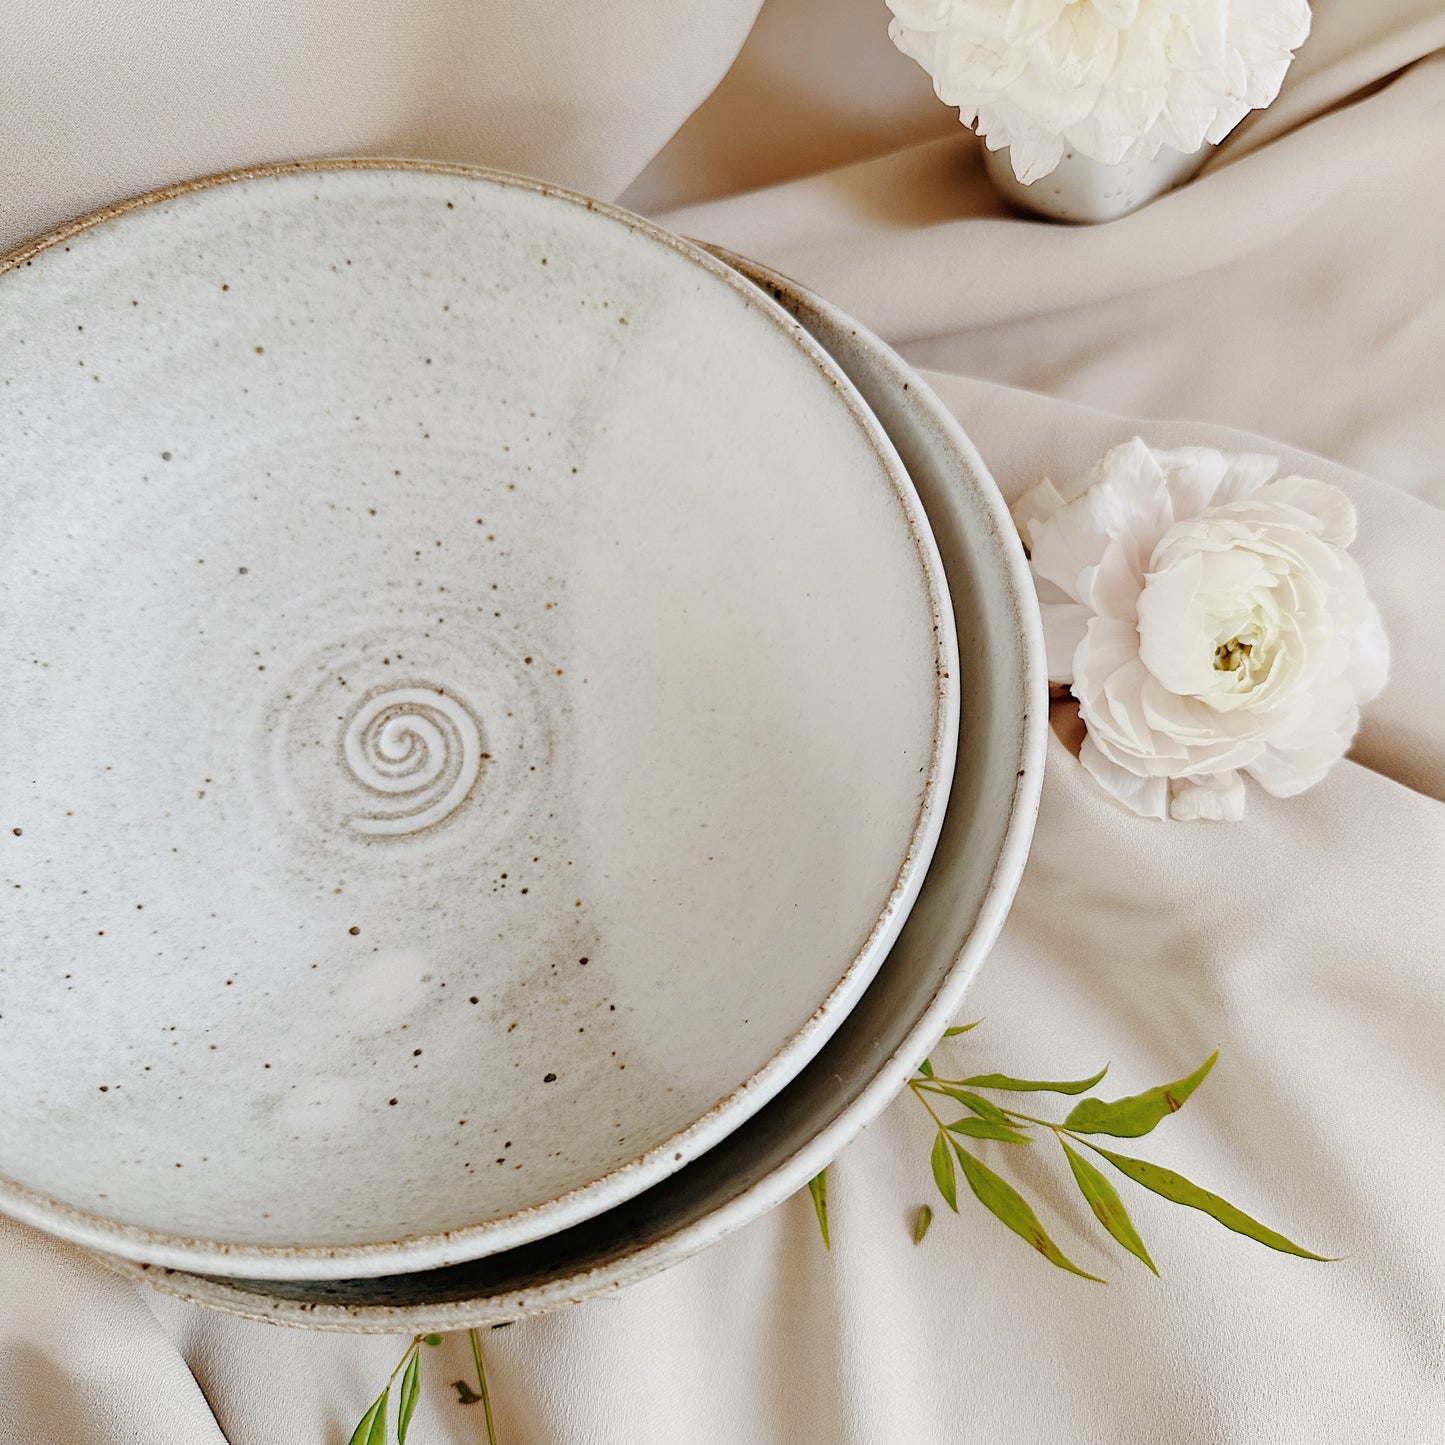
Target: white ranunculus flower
(1210, 622)
(1113, 79)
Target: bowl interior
(479, 710)
(918, 990)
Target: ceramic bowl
(481, 695)
(918, 991)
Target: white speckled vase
(1086, 191)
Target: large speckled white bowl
(480, 700)
(919, 988)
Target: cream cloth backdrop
(1293, 291)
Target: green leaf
(926, 1069)
(943, 1174)
(1129, 1118)
(818, 1188)
(432, 1340)
(987, 1129)
(1174, 1186)
(1002, 1200)
(957, 1029)
(920, 1225)
(1107, 1206)
(372, 1428)
(976, 1102)
(465, 1394)
(410, 1390)
(1028, 1086)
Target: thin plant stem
(1060, 1131)
(482, 1384)
(1029, 1119)
(917, 1094)
(401, 1363)
(1012, 1114)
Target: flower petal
(1370, 667)
(1284, 776)
(1035, 507)
(1119, 13)
(1148, 797)
(970, 68)
(1244, 474)
(1064, 626)
(1067, 545)
(922, 14)
(1078, 51)
(1137, 474)
(1201, 477)
(1111, 588)
(1033, 151)
(919, 45)
(1216, 796)
(1300, 759)
(988, 18)
(1175, 636)
(1053, 105)
(1328, 507)
(1029, 19)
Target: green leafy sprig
(1127, 1118)
(982, 1119)
(371, 1429)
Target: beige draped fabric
(1289, 300)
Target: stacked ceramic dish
(519, 732)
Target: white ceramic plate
(918, 991)
(481, 695)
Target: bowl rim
(633, 1260)
(437, 1249)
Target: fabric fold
(1291, 300)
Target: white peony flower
(1210, 622)
(1113, 79)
